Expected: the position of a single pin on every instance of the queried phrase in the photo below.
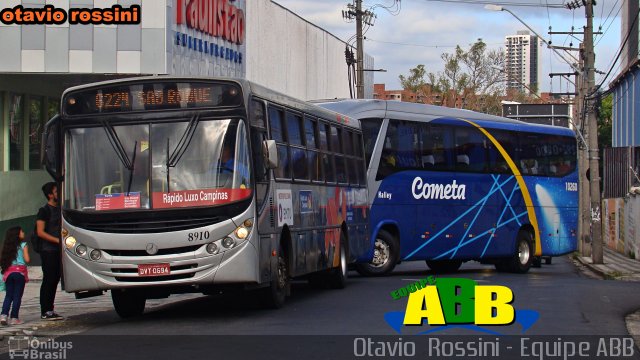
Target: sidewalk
(618, 267)
(615, 266)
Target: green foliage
(474, 75)
(604, 122)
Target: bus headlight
(242, 232)
(212, 248)
(95, 255)
(228, 242)
(70, 242)
(81, 250)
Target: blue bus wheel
(522, 259)
(386, 254)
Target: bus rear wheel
(522, 260)
(128, 303)
(337, 278)
(385, 256)
(444, 266)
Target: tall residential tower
(521, 61)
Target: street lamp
(500, 8)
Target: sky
(424, 29)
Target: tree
(605, 111)
(473, 76)
(415, 81)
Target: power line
(489, 2)
(422, 45)
(624, 43)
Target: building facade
(522, 61)
(257, 40)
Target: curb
(596, 270)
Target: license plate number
(153, 269)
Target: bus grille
(168, 251)
(149, 226)
(154, 278)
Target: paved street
(568, 301)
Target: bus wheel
(444, 266)
(337, 278)
(273, 296)
(547, 260)
(385, 256)
(523, 258)
(128, 303)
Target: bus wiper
(133, 163)
(117, 145)
(181, 148)
(167, 166)
(122, 154)
(184, 142)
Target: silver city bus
(175, 185)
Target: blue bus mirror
(270, 153)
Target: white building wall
(288, 54)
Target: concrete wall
(293, 56)
(621, 225)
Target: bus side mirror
(270, 153)
(51, 147)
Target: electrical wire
(624, 43)
(489, 2)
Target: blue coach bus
(450, 185)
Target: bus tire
(522, 259)
(385, 257)
(547, 260)
(337, 277)
(128, 303)
(274, 295)
(444, 266)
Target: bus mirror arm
(51, 147)
(270, 153)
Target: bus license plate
(153, 269)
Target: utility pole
(592, 122)
(360, 52)
(366, 17)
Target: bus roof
(253, 88)
(369, 108)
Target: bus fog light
(70, 242)
(242, 232)
(212, 248)
(95, 255)
(81, 250)
(228, 242)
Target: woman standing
(13, 261)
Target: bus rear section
(448, 186)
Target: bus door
(396, 169)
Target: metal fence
(621, 168)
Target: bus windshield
(188, 163)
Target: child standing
(13, 261)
